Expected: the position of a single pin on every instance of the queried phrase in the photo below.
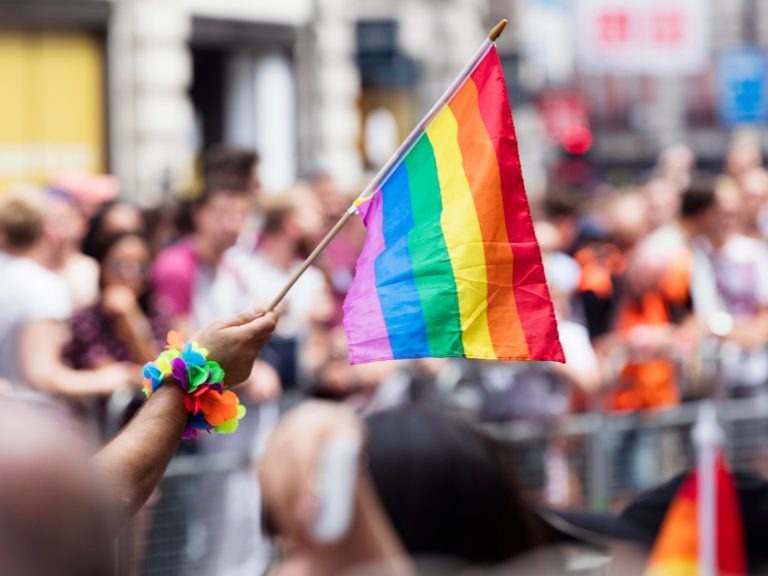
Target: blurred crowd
(660, 288)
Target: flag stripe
(429, 254)
(482, 171)
(451, 259)
(395, 282)
(363, 317)
(462, 236)
(530, 286)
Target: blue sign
(743, 86)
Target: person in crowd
(61, 508)
(240, 167)
(339, 259)
(35, 307)
(198, 279)
(662, 197)
(233, 163)
(433, 495)
(754, 192)
(744, 155)
(732, 279)
(676, 164)
(112, 217)
(279, 254)
(63, 232)
(123, 325)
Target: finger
(243, 318)
(260, 326)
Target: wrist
(186, 368)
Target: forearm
(64, 381)
(136, 331)
(134, 462)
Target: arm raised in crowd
(133, 463)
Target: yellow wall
(51, 105)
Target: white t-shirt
(223, 294)
(28, 292)
(266, 280)
(733, 279)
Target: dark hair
(106, 247)
(21, 223)
(559, 204)
(446, 489)
(698, 197)
(229, 163)
(95, 237)
(218, 186)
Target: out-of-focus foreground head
(52, 519)
(446, 490)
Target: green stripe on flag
(430, 260)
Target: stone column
(334, 92)
(152, 121)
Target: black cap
(641, 520)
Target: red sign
(642, 36)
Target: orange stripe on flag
(482, 170)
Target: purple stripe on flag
(363, 319)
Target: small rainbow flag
(451, 266)
(676, 552)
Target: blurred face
(663, 201)
(754, 188)
(729, 212)
(127, 264)
(220, 221)
(64, 222)
(122, 218)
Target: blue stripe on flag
(395, 283)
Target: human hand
(118, 376)
(119, 300)
(235, 343)
(288, 469)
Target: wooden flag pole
(404, 148)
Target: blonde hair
(21, 221)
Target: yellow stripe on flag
(463, 238)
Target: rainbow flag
(675, 552)
(451, 266)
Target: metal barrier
(590, 460)
(611, 458)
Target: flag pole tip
(497, 30)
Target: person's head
(53, 521)
(698, 208)
(124, 260)
(445, 488)
(113, 217)
(65, 221)
(232, 164)
(219, 215)
(754, 192)
(295, 215)
(676, 163)
(745, 154)
(729, 210)
(663, 198)
(21, 224)
(332, 200)
(562, 211)
(626, 218)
